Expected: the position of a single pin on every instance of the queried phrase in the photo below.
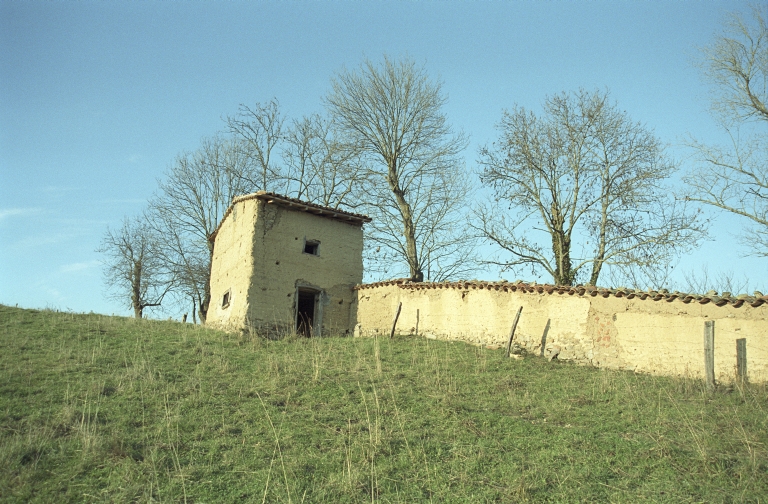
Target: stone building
(282, 265)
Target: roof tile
(295, 204)
(580, 290)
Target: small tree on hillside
(133, 267)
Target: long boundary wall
(650, 332)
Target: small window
(312, 247)
(225, 299)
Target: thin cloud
(124, 200)
(79, 266)
(51, 293)
(57, 189)
(40, 240)
(7, 213)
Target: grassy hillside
(96, 408)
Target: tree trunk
(564, 275)
(203, 313)
(410, 240)
(136, 300)
(596, 267)
(203, 303)
(561, 247)
(409, 230)
(597, 264)
(206, 301)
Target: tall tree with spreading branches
(416, 186)
(734, 178)
(580, 188)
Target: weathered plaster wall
(232, 266)
(282, 266)
(660, 337)
(259, 257)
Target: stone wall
(654, 332)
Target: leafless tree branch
(190, 203)
(261, 129)
(734, 178)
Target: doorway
(306, 312)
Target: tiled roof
(294, 204)
(758, 299)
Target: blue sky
(97, 98)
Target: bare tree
(734, 178)
(133, 268)
(189, 205)
(392, 114)
(320, 168)
(700, 281)
(261, 129)
(580, 188)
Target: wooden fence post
(741, 359)
(512, 332)
(394, 322)
(709, 353)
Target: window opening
(225, 299)
(305, 312)
(311, 247)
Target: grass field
(107, 409)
